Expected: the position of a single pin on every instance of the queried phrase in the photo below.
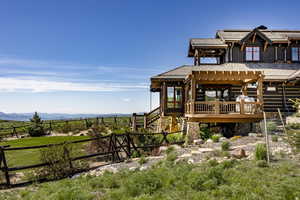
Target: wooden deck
(223, 112)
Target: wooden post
(217, 106)
(193, 88)
(86, 123)
(102, 121)
(5, 168)
(242, 107)
(266, 138)
(134, 121)
(97, 120)
(15, 131)
(115, 120)
(145, 120)
(128, 139)
(283, 125)
(67, 156)
(165, 139)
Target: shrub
(143, 160)
(225, 145)
(170, 149)
(271, 126)
(171, 157)
(59, 159)
(205, 132)
(262, 163)
(261, 152)
(274, 138)
(293, 126)
(37, 128)
(215, 138)
(294, 139)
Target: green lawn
(31, 156)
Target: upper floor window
(252, 53)
(295, 53)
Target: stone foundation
(193, 131)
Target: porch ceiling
(221, 77)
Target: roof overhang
(223, 77)
(253, 34)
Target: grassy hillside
(209, 181)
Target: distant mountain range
(53, 116)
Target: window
(252, 53)
(295, 54)
(174, 97)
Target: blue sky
(97, 56)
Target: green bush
(294, 139)
(142, 160)
(205, 132)
(59, 159)
(261, 152)
(274, 138)
(215, 138)
(262, 163)
(271, 126)
(225, 145)
(293, 126)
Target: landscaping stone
(238, 153)
(198, 141)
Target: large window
(174, 97)
(295, 53)
(252, 53)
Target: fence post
(50, 126)
(5, 168)
(134, 121)
(115, 120)
(128, 144)
(67, 156)
(97, 120)
(165, 134)
(267, 138)
(102, 121)
(145, 120)
(86, 123)
(15, 131)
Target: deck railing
(223, 107)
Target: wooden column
(260, 90)
(193, 98)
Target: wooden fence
(119, 145)
(49, 125)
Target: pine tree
(37, 128)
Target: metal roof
(208, 42)
(273, 35)
(272, 71)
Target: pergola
(224, 110)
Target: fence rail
(119, 144)
(49, 125)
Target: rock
(190, 161)
(259, 135)
(186, 155)
(252, 134)
(176, 146)
(143, 168)
(198, 141)
(132, 168)
(162, 149)
(238, 153)
(205, 150)
(209, 141)
(223, 139)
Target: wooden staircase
(145, 120)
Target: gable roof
(253, 33)
(272, 72)
(207, 42)
(273, 35)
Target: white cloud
(28, 85)
(126, 99)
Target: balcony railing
(223, 107)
